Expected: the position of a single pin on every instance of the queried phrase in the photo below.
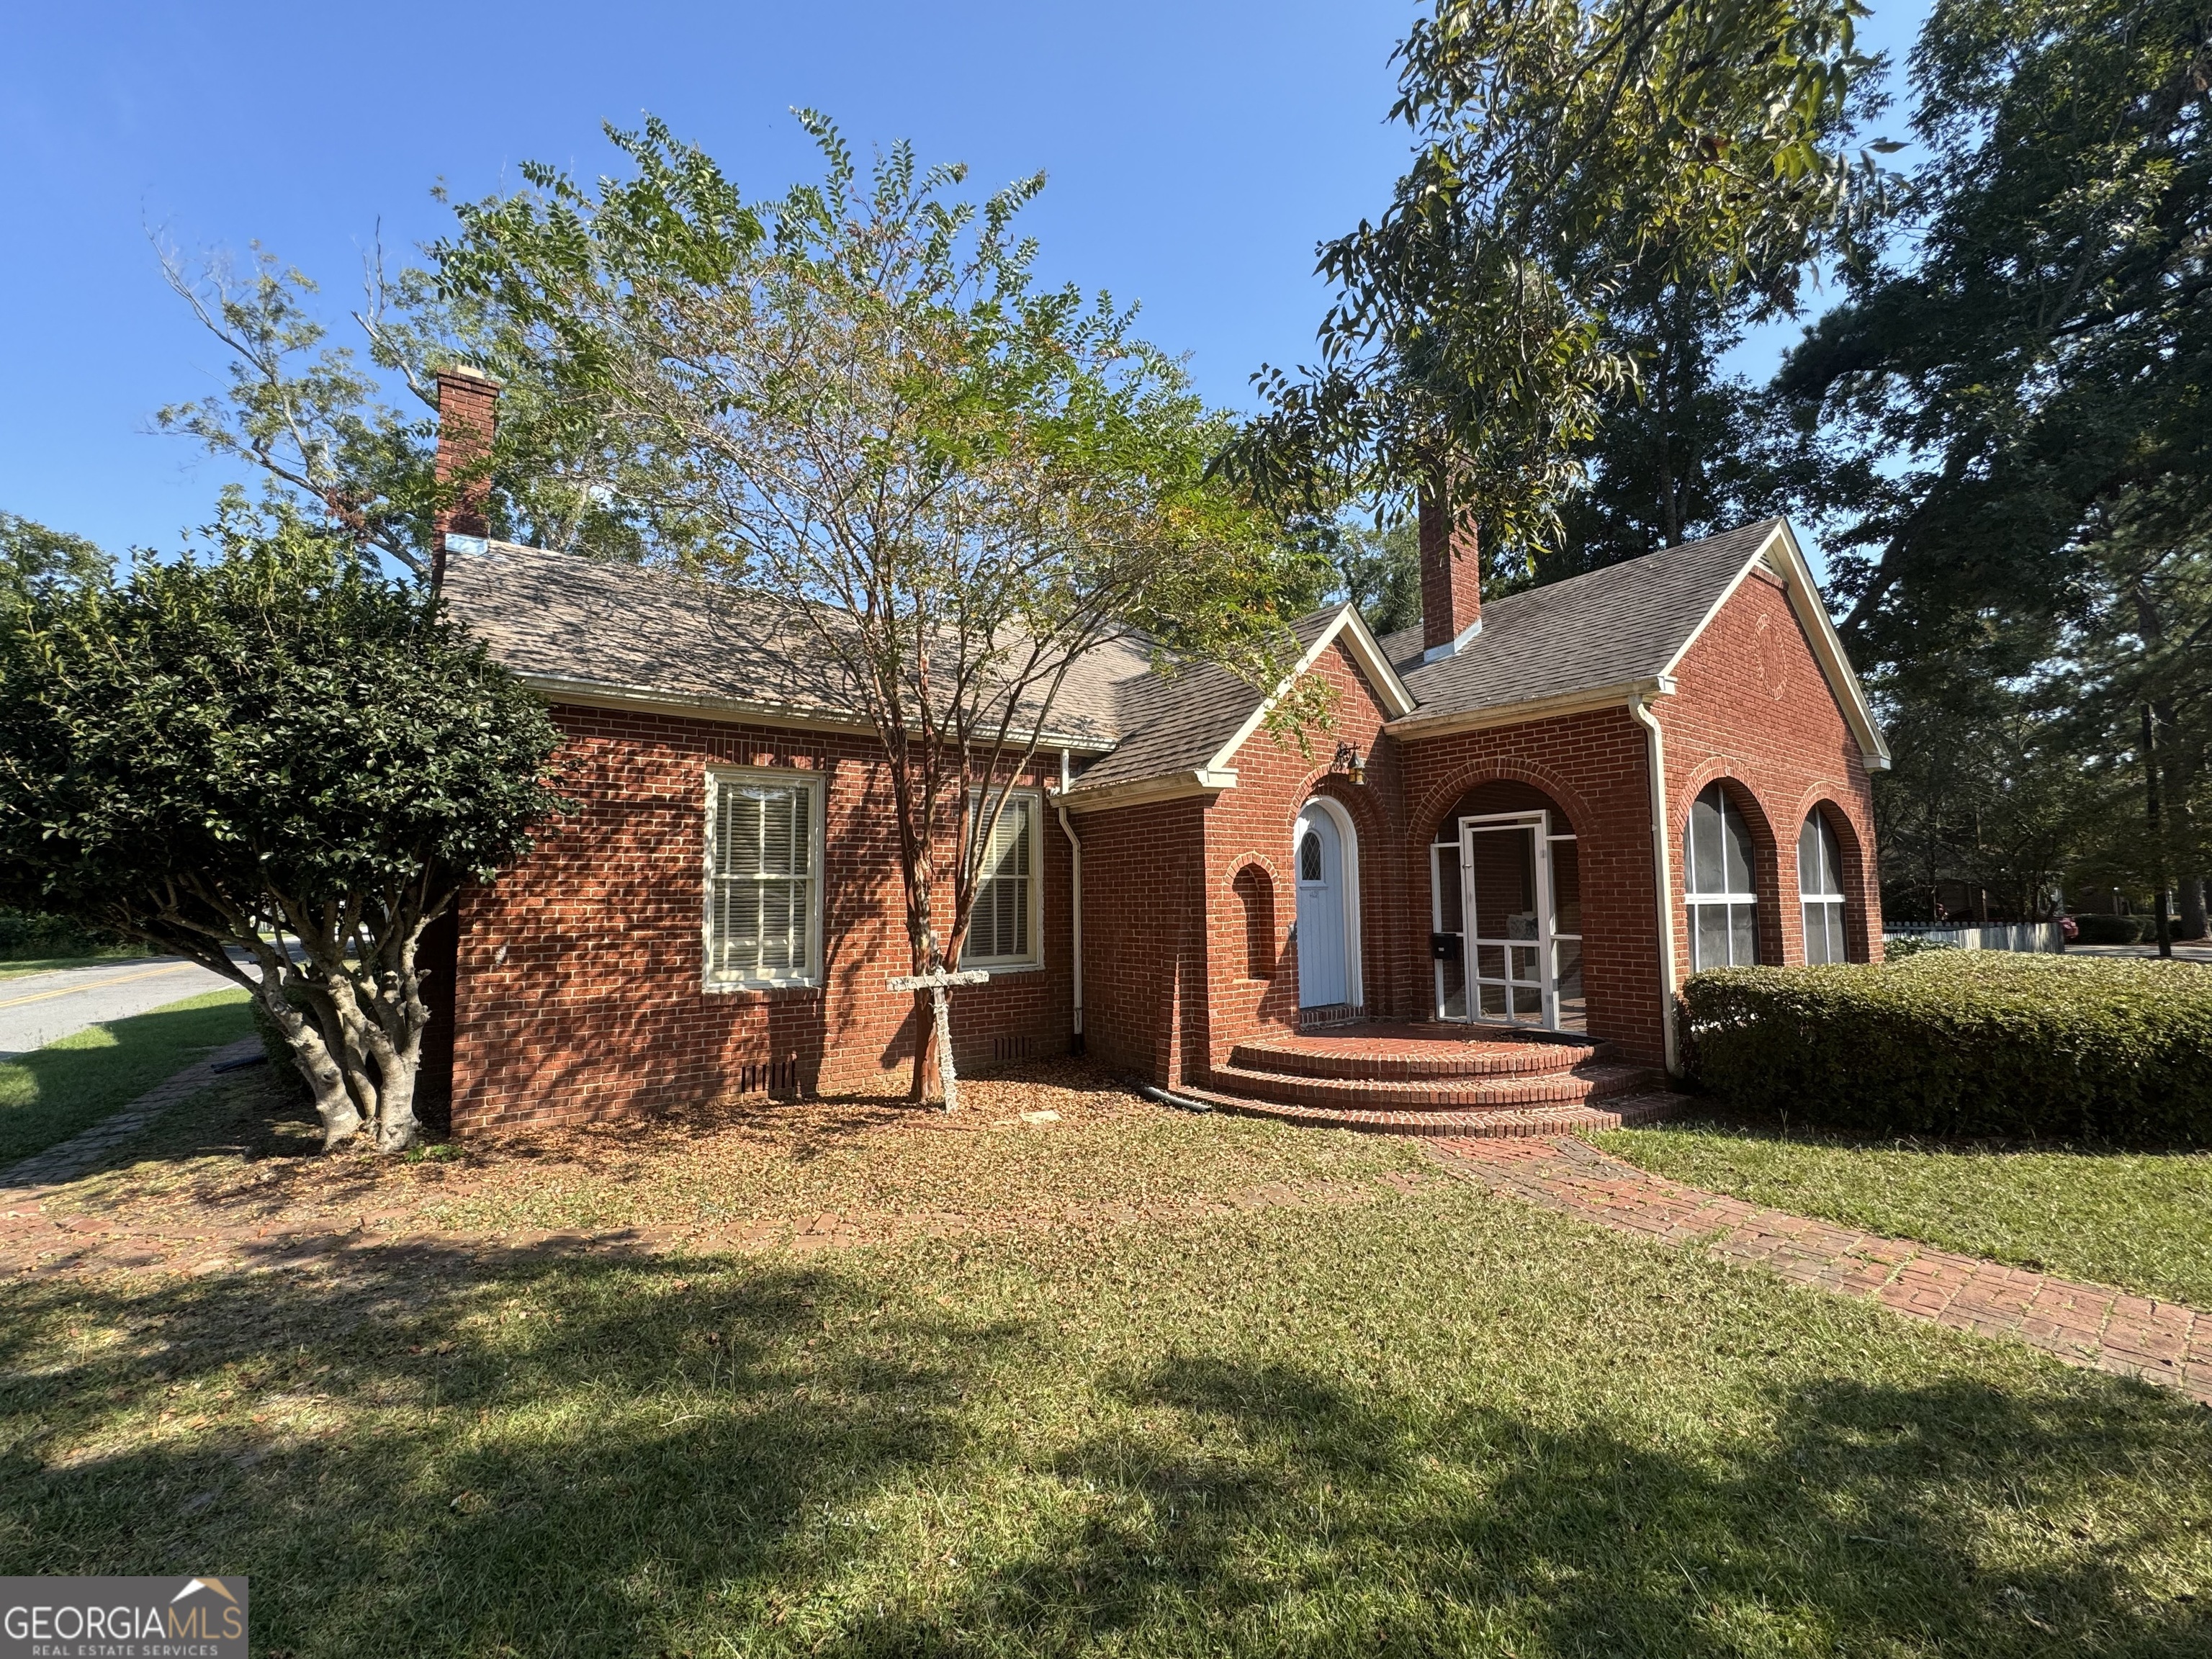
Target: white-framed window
(764, 877)
(1820, 886)
(1717, 872)
(1003, 929)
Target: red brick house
(1532, 820)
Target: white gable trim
(1348, 626)
(1780, 554)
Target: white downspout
(1662, 867)
(1075, 928)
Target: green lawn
(1437, 1423)
(49, 1094)
(2142, 1221)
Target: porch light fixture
(1347, 761)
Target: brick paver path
(84, 1150)
(2167, 1343)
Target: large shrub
(1979, 1042)
(272, 760)
(2111, 930)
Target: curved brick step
(1593, 1080)
(1647, 1107)
(1392, 1058)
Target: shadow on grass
(639, 1437)
(1336, 1521)
(48, 1094)
(599, 1458)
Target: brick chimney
(1451, 577)
(468, 419)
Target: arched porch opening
(1505, 883)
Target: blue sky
(1196, 152)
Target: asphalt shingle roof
(588, 623)
(1624, 623)
(616, 627)
(1178, 722)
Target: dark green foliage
(28, 934)
(272, 743)
(1563, 149)
(1973, 1044)
(2111, 930)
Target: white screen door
(1507, 923)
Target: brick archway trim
(1421, 819)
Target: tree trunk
(2155, 807)
(325, 1079)
(2192, 906)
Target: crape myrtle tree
(268, 751)
(349, 433)
(947, 481)
(1561, 148)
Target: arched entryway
(1505, 877)
(1325, 859)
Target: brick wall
(1594, 769)
(1755, 711)
(578, 990)
(1144, 905)
(1249, 828)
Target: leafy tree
(1562, 146)
(35, 561)
(947, 482)
(2035, 345)
(1379, 570)
(273, 753)
(2003, 427)
(311, 416)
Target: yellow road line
(96, 985)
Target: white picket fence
(2017, 936)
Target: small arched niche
(1255, 894)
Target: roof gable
(1202, 716)
(1617, 632)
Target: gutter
(1640, 710)
(1075, 927)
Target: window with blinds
(1002, 931)
(1716, 870)
(1819, 885)
(763, 889)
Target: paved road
(2181, 952)
(40, 1008)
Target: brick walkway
(2095, 1326)
(85, 1149)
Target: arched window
(1716, 871)
(1819, 885)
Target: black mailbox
(1445, 947)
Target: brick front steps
(1435, 1079)
(1557, 1120)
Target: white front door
(1322, 976)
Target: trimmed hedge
(1966, 1043)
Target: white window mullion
(765, 858)
(1003, 927)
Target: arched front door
(1326, 860)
